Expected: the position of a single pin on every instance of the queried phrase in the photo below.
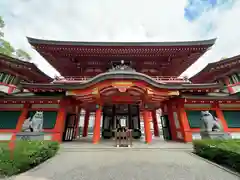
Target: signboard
(123, 122)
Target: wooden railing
(171, 79)
(174, 79)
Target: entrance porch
(119, 105)
(106, 120)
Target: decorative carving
(122, 89)
(121, 67)
(173, 93)
(122, 86)
(95, 91)
(150, 91)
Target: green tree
(7, 49)
(23, 55)
(1, 27)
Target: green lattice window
(9, 119)
(232, 118)
(194, 118)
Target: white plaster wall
(235, 135)
(47, 137)
(5, 136)
(196, 136)
(91, 120)
(176, 120)
(4, 88)
(236, 88)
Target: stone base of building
(30, 136)
(215, 135)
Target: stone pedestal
(215, 135)
(31, 136)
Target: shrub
(26, 155)
(224, 152)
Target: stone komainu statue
(211, 127)
(34, 124)
(209, 122)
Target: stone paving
(127, 164)
(157, 143)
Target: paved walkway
(126, 164)
(157, 143)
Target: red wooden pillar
(96, 130)
(185, 128)
(60, 121)
(22, 117)
(20, 122)
(86, 123)
(220, 116)
(146, 119)
(155, 123)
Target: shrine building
(119, 83)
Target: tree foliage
(1, 27)
(7, 49)
(23, 55)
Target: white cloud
(225, 28)
(116, 20)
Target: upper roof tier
(216, 70)
(92, 58)
(24, 70)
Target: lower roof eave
(67, 86)
(123, 76)
(9, 97)
(206, 97)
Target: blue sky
(195, 8)
(124, 20)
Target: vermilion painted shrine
(115, 81)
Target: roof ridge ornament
(121, 67)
